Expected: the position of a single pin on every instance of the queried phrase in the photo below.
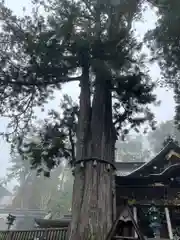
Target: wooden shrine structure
(152, 192)
(147, 200)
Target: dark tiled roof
(164, 167)
(125, 168)
(157, 162)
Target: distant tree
(169, 139)
(19, 169)
(38, 192)
(132, 149)
(163, 133)
(61, 200)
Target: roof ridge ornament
(172, 153)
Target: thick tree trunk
(98, 205)
(92, 209)
(81, 153)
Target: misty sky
(163, 113)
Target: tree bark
(92, 208)
(81, 153)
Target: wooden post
(114, 208)
(135, 218)
(168, 219)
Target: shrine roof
(165, 164)
(53, 223)
(124, 168)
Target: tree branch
(72, 145)
(38, 83)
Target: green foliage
(53, 141)
(164, 38)
(164, 44)
(77, 39)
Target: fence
(37, 234)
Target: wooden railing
(41, 234)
